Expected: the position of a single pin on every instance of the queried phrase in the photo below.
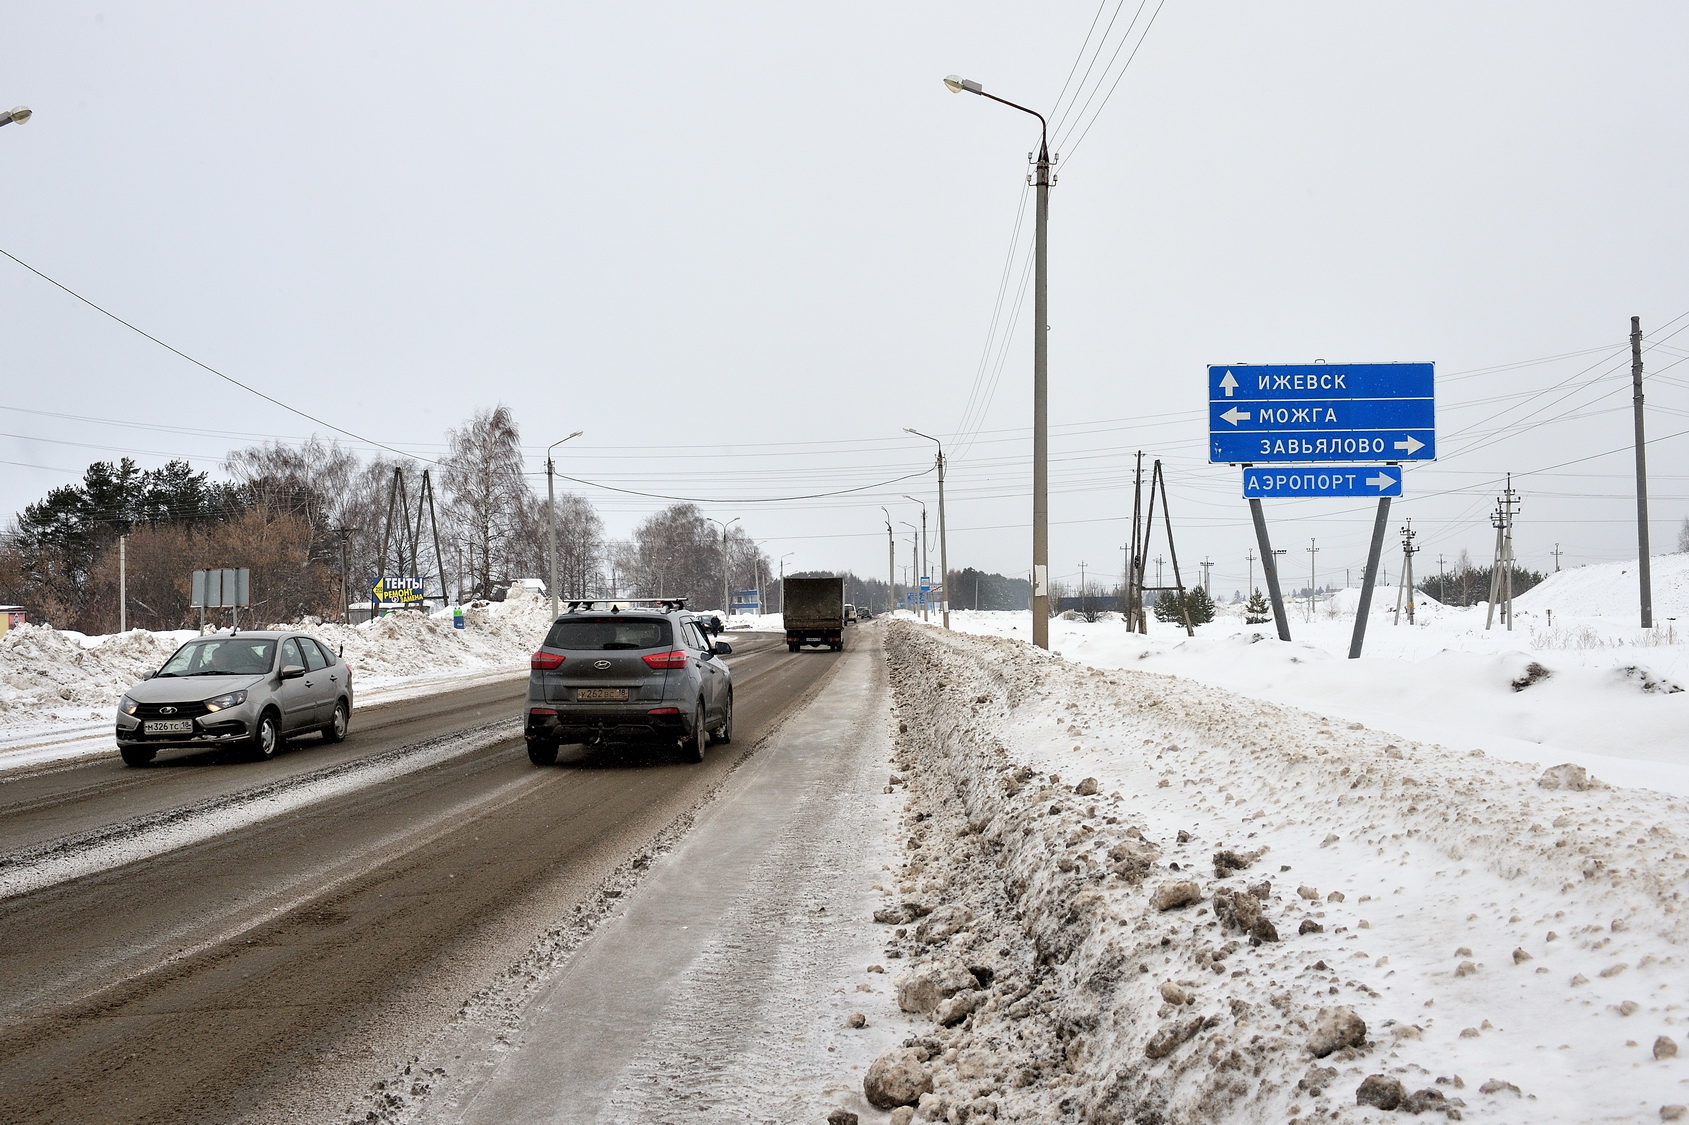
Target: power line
(1074, 147)
(206, 366)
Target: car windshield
(222, 656)
(593, 633)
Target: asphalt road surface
(211, 939)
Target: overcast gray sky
(743, 244)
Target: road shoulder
(724, 983)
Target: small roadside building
(11, 616)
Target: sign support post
(1269, 567)
(1374, 553)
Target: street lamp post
(551, 514)
(943, 540)
(914, 555)
(926, 571)
(783, 559)
(20, 114)
(891, 567)
(726, 604)
(1040, 370)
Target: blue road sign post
(1287, 424)
(1321, 480)
(1292, 413)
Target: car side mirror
(291, 671)
(152, 673)
(722, 648)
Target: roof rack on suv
(595, 605)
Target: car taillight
(660, 660)
(545, 661)
(663, 711)
(541, 711)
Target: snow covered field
(1134, 897)
(1609, 702)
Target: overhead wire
(206, 366)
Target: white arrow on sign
(1412, 445)
(1228, 384)
(1381, 482)
(1234, 416)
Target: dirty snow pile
(52, 678)
(1132, 897)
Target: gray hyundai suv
(248, 689)
(625, 671)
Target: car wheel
(266, 740)
(724, 733)
(335, 731)
(136, 756)
(697, 738)
(541, 752)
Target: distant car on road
(615, 672)
(247, 689)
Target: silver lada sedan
(248, 689)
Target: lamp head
(20, 114)
(956, 85)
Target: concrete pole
(1041, 406)
(550, 520)
(551, 531)
(122, 583)
(943, 542)
(891, 565)
(1269, 567)
(1644, 572)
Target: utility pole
(1408, 551)
(726, 602)
(550, 518)
(943, 539)
(1158, 561)
(345, 533)
(1442, 582)
(122, 583)
(891, 572)
(1206, 564)
(1644, 573)
(1501, 574)
(1250, 555)
(1040, 366)
(1556, 553)
(926, 571)
(1312, 551)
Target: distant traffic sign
(1321, 480)
(1288, 413)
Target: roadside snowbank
(51, 679)
(1357, 906)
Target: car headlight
(128, 706)
(232, 699)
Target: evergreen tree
(1196, 603)
(1257, 611)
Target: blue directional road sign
(1321, 480)
(1291, 413)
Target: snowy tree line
(293, 513)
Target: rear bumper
(814, 636)
(565, 724)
